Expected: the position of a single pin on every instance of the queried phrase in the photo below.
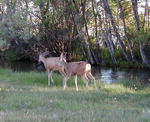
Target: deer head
(63, 59)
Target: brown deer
(52, 64)
(80, 68)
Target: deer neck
(65, 64)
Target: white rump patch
(88, 67)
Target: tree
(137, 24)
(122, 16)
(108, 11)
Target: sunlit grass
(25, 97)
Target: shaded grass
(25, 97)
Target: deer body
(77, 68)
(52, 64)
(80, 68)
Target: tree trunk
(144, 57)
(108, 37)
(108, 42)
(87, 40)
(85, 44)
(95, 19)
(136, 16)
(98, 51)
(108, 11)
(137, 24)
(146, 12)
(122, 16)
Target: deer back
(79, 68)
(53, 63)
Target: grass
(25, 97)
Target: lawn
(25, 97)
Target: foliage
(107, 61)
(55, 25)
(14, 25)
(141, 36)
(106, 56)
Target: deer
(80, 68)
(51, 64)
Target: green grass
(25, 97)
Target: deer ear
(46, 53)
(61, 57)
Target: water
(106, 75)
(112, 75)
(18, 66)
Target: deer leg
(75, 79)
(65, 82)
(84, 77)
(51, 76)
(87, 84)
(63, 73)
(93, 78)
(65, 79)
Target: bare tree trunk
(85, 44)
(108, 42)
(146, 12)
(108, 37)
(87, 41)
(107, 34)
(137, 24)
(148, 19)
(136, 16)
(108, 11)
(98, 51)
(125, 29)
(144, 57)
(95, 19)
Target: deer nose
(35, 58)
(40, 65)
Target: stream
(106, 75)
